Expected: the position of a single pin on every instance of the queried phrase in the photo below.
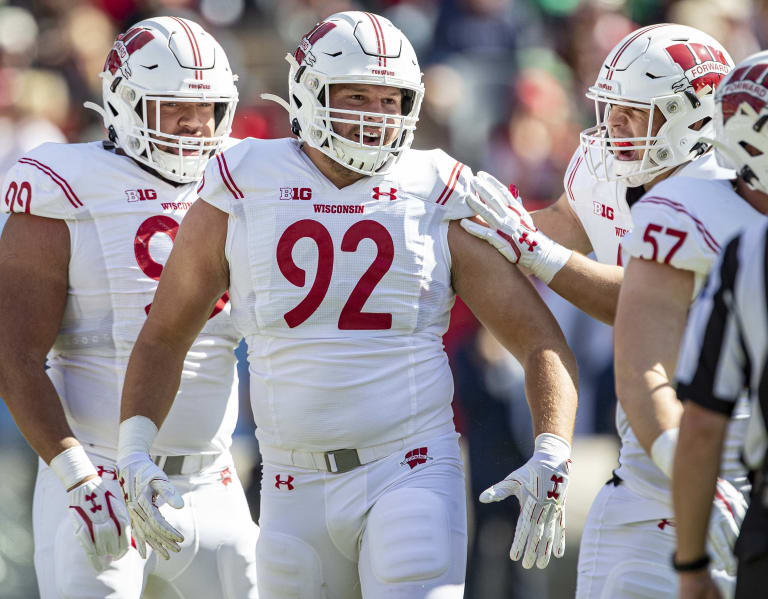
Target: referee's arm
(711, 359)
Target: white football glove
(100, 517)
(101, 522)
(540, 487)
(142, 483)
(728, 510)
(511, 229)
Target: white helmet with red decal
(741, 121)
(673, 69)
(353, 47)
(166, 59)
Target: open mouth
(369, 139)
(623, 154)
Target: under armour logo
(664, 522)
(524, 239)
(122, 487)
(553, 494)
(92, 498)
(415, 457)
(226, 476)
(102, 471)
(287, 483)
(377, 193)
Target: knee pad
(409, 536)
(640, 579)
(237, 566)
(288, 568)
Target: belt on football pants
(174, 465)
(338, 461)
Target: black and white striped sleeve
(713, 366)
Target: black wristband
(692, 566)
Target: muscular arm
(509, 306)
(193, 279)
(650, 322)
(590, 286)
(34, 273)
(697, 462)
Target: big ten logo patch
(415, 457)
(703, 65)
(295, 193)
(602, 210)
(140, 195)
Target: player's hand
(728, 510)
(142, 483)
(540, 487)
(511, 229)
(101, 522)
(701, 585)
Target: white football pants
(393, 528)
(217, 557)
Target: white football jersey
(684, 222)
(603, 209)
(122, 221)
(343, 295)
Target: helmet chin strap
(97, 108)
(627, 169)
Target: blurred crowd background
(505, 83)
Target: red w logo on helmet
(126, 44)
(747, 84)
(703, 65)
(305, 47)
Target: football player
(654, 99)
(717, 352)
(90, 228)
(342, 256)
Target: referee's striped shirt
(726, 342)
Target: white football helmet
(166, 59)
(666, 67)
(353, 47)
(741, 116)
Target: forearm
(152, 379)
(646, 394)
(697, 462)
(650, 320)
(590, 286)
(35, 406)
(551, 383)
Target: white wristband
(663, 450)
(136, 436)
(552, 260)
(72, 465)
(552, 445)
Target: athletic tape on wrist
(553, 445)
(72, 465)
(136, 436)
(552, 261)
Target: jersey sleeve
(668, 231)
(41, 183)
(452, 186)
(224, 179)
